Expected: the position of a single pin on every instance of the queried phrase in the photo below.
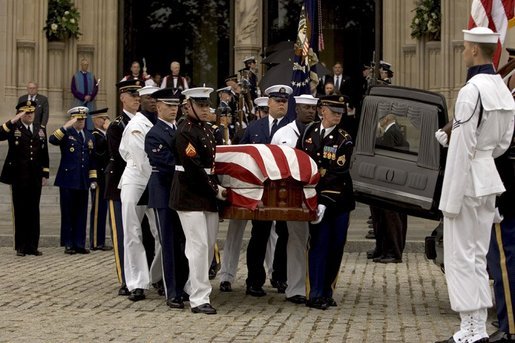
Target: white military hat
(278, 91)
(198, 94)
(147, 90)
(227, 89)
(79, 112)
(480, 35)
(249, 58)
(307, 99)
(261, 102)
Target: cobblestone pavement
(63, 298)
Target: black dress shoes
(102, 247)
(451, 340)
(371, 254)
(318, 303)
(160, 287)
(82, 251)
(185, 297)
(137, 295)
(330, 302)
(297, 299)
(204, 308)
(175, 303)
(255, 291)
(225, 286)
(280, 285)
(69, 251)
(124, 291)
(389, 259)
(501, 337)
(20, 253)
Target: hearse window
(413, 124)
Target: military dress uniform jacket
(332, 155)
(158, 146)
(78, 166)
(27, 158)
(116, 165)
(258, 131)
(101, 156)
(195, 188)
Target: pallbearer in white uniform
(482, 130)
(134, 180)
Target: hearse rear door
(405, 177)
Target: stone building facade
(26, 55)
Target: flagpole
(378, 22)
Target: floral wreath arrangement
(62, 21)
(427, 20)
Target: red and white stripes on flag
(498, 15)
(244, 169)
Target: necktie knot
(274, 127)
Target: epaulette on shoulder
(345, 134)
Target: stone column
(56, 80)
(248, 36)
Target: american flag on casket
(245, 168)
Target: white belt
(482, 154)
(208, 171)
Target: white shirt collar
(327, 129)
(129, 114)
(271, 120)
(389, 126)
(172, 125)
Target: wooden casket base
(282, 200)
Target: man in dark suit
(158, 146)
(389, 226)
(342, 83)
(130, 101)
(261, 132)
(26, 170)
(40, 102)
(98, 215)
(76, 173)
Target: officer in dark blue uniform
(261, 132)
(501, 255)
(98, 214)
(331, 147)
(76, 173)
(26, 170)
(158, 146)
(130, 101)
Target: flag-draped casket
(267, 182)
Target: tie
(337, 83)
(81, 137)
(322, 136)
(274, 128)
(174, 127)
(30, 129)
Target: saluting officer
(331, 148)
(158, 146)
(76, 173)
(98, 215)
(194, 193)
(130, 101)
(26, 170)
(133, 183)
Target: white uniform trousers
(298, 233)
(270, 251)
(137, 274)
(466, 242)
(232, 248)
(200, 229)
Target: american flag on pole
(244, 168)
(498, 15)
